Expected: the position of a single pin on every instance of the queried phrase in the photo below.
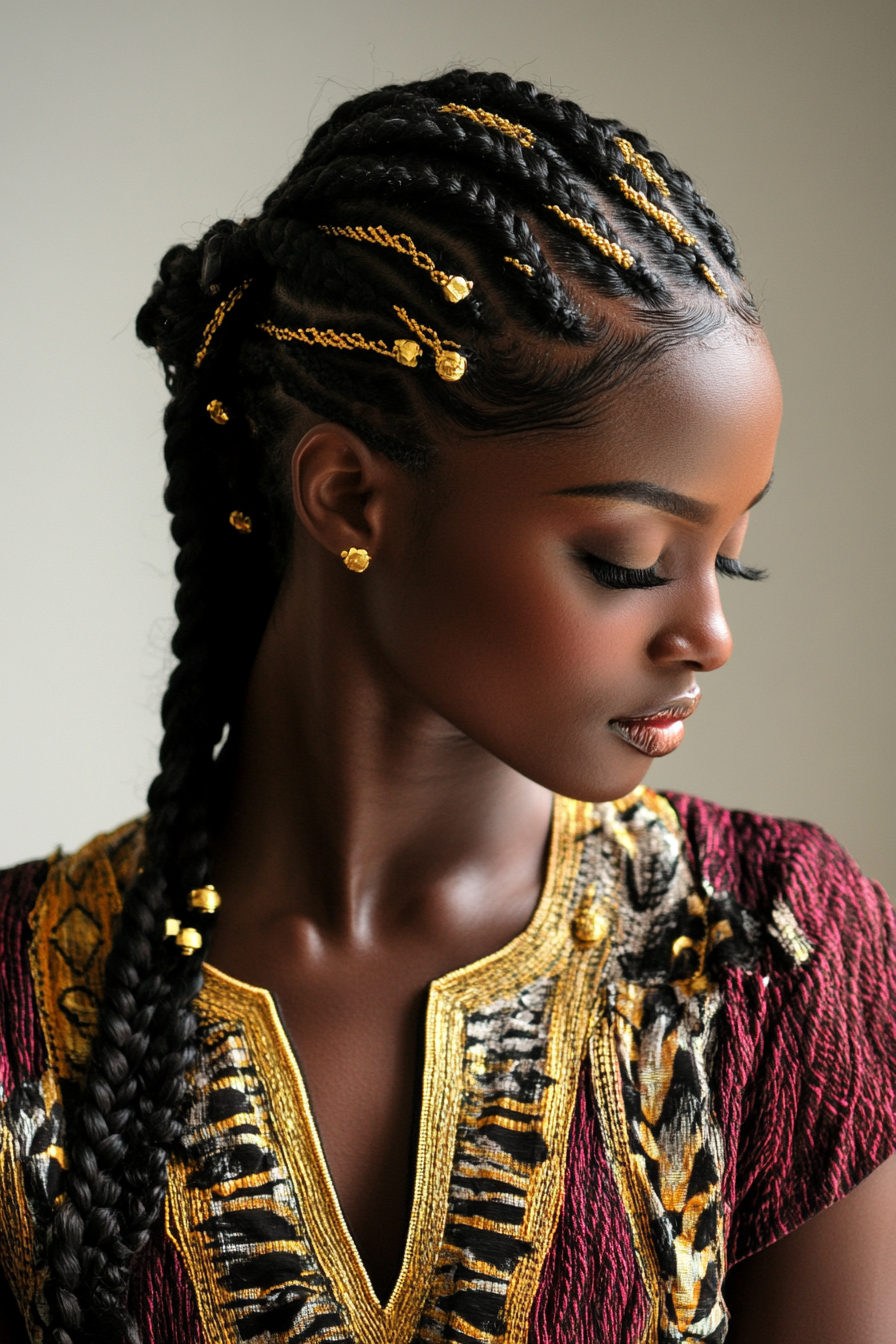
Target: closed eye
(733, 569)
(619, 576)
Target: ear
(339, 488)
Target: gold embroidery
(470, 1014)
(252, 1157)
(72, 923)
(668, 1169)
(785, 927)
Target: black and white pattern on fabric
(256, 1240)
(500, 1144)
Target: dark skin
(404, 730)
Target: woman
(464, 426)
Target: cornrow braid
(560, 224)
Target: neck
(355, 806)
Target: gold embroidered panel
(618, 959)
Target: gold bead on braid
(666, 221)
(454, 287)
(621, 255)
(449, 364)
(218, 317)
(510, 128)
(520, 265)
(644, 166)
(404, 352)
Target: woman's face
(495, 613)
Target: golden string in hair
(402, 351)
(667, 221)
(621, 255)
(711, 280)
(644, 166)
(520, 265)
(509, 128)
(449, 364)
(217, 318)
(454, 287)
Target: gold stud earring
(356, 559)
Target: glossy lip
(660, 730)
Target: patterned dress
(689, 1051)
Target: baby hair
(466, 227)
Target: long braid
(554, 248)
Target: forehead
(702, 420)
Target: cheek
(511, 644)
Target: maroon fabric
(590, 1286)
(160, 1295)
(24, 1051)
(806, 1070)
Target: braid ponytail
(497, 182)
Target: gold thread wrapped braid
(621, 255)
(509, 128)
(454, 287)
(711, 280)
(644, 166)
(403, 352)
(520, 265)
(449, 364)
(217, 318)
(667, 221)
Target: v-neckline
(540, 950)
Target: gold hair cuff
(454, 287)
(520, 265)
(644, 166)
(240, 521)
(206, 899)
(217, 318)
(188, 940)
(620, 255)
(667, 221)
(509, 128)
(450, 365)
(217, 412)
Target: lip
(659, 731)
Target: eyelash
(619, 576)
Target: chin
(593, 777)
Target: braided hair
(589, 255)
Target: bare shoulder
(829, 1282)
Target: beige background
(131, 123)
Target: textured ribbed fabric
(802, 1088)
(161, 1296)
(24, 1052)
(590, 1286)
(806, 1069)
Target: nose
(695, 632)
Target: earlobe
(337, 482)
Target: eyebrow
(657, 497)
